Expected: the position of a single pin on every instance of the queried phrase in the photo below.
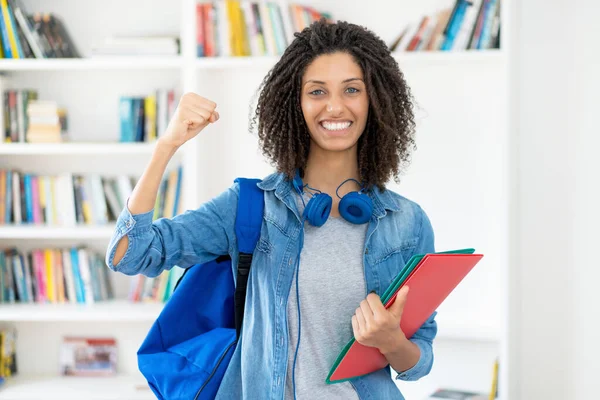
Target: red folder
(432, 280)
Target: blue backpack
(189, 346)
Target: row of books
(54, 275)
(158, 289)
(249, 28)
(144, 119)
(85, 199)
(37, 35)
(468, 25)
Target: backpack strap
(247, 230)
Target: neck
(326, 170)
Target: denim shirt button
(128, 224)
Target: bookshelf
(65, 149)
(106, 311)
(460, 93)
(71, 388)
(26, 232)
(416, 58)
(96, 63)
(128, 63)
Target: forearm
(403, 354)
(144, 194)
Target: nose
(334, 106)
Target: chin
(335, 145)
(339, 146)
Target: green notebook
(392, 288)
(409, 267)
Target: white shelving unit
(81, 148)
(56, 232)
(107, 311)
(91, 64)
(461, 108)
(76, 388)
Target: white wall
(554, 326)
(587, 211)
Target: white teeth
(335, 126)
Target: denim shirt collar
(382, 200)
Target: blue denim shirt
(398, 229)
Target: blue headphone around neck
(355, 207)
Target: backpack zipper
(213, 371)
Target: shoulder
(228, 198)
(272, 181)
(406, 212)
(402, 206)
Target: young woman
(336, 114)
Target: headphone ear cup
(318, 208)
(356, 207)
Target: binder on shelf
(431, 278)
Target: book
(431, 278)
(82, 356)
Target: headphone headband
(349, 179)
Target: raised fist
(193, 114)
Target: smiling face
(334, 102)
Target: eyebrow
(323, 83)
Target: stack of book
(250, 28)
(469, 25)
(47, 123)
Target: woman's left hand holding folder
(376, 326)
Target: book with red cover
(431, 278)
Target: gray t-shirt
(331, 287)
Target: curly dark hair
(383, 148)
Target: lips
(334, 126)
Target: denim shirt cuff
(127, 222)
(131, 225)
(422, 367)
